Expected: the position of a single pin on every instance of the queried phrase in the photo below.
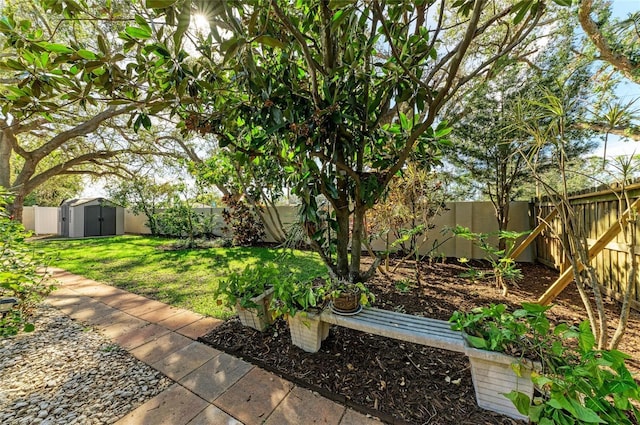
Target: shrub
(242, 286)
(181, 221)
(19, 277)
(505, 270)
(247, 230)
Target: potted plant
(582, 385)
(574, 383)
(503, 349)
(250, 292)
(300, 304)
(348, 298)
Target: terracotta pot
(347, 302)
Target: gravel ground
(65, 373)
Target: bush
(247, 230)
(182, 221)
(19, 277)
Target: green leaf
(86, 54)
(269, 41)
(102, 45)
(443, 132)
(146, 121)
(29, 327)
(477, 342)
(520, 401)
(535, 308)
(404, 122)
(14, 64)
(136, 32)
(521, 9)
(586, 340)
(55, 47)
(564, 3)
(159, 4)
(184, 19)
(585, 414)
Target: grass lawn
(184, 278)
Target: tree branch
(305, 49)
(620, 62)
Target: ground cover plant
(183, 278)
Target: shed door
(108, 221)
(92, 223)
(64, 218)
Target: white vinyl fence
(41, 220)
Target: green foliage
(523, 333)
(407, 209)
(143, 196)
(242, 222)
(337, 287)
(181, 220)
(587, 386)
(55, 191)
(19, 277)
(577, 383)
(291, 296)
(303, 86)
(249, 283)
(505, 270)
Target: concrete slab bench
(390, 324)
(492, 373)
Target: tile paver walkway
(211, 387)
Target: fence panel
(597, 212)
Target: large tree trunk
(5, 159)
(356, 243)
(342, 243)
(17, 206)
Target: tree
(144, 196)
(488, 149)
(260, 182)
(341, 93)
(55, 191)
(547, 121)
(67, 95)
(617, 46)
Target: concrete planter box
(493, 377)
(260, 317)
(308, 331)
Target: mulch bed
(397, 381)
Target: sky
(627, 92)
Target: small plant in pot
(250, 293)
(348, 298)
(300, 303)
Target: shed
(85, 217)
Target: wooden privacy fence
(598, 212)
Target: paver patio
(211, 387)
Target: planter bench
(492, 378)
